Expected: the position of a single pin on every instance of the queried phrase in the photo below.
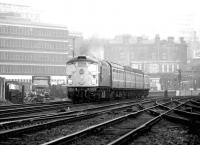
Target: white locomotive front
(82, 72)
(82, 78)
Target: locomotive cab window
(92, 67)
(70, 68)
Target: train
(90, 79)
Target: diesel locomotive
(90, 79)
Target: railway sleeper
(188, 114)
(195, 107)
(195, 102)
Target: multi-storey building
(118, 50)
(30, 48)
(161, 59)
(193, 66)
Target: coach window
(113, 75)
(119, 74)
(116, 74)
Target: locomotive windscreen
(82, 64)
(92, 67)
(70, 68)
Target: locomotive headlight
(94, 80)
(69, 81)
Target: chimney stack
(171, 39)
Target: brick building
(118, 50)
(161, 59)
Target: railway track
(24, 125)
(35, 109)
(27, 126)
(33, 112)
(14, 106)
(120, 130)
(31, 109)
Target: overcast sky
(107, 18)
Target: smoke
(93, 47)
(97, 52)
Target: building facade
(30, 48)
(118, 50)
(161, 59)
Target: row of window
(33, 44)
(32, 70)
(157, 68)
(33, 32)
(32, 58)
(120, 75)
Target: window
(167, 67)
(164, 56)
(153, 68)
(177, 66)
(135, 66)
(172, 67)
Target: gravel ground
(172, 105)
(113, 132)
(168, 133)
(146, 105)
(158, 110)
(163, 101)
(50, 134)
(189, 109)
